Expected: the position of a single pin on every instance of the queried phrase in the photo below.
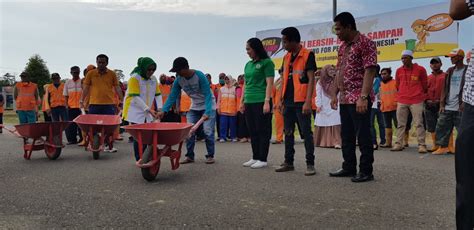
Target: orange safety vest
(56, 94)
(228, 101)
(165, 92)
(184, 103)
(74, 92)
(44, 103)
(298, 69)
(239, 98)
(26, 100)
(313, 100)
(388, 96)
(276, 94)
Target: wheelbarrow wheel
(53, 152)
(96, 145)
(150, 173)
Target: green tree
(38, 72)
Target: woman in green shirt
(256, 102)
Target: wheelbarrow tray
(108, 123)
(168, 133)
(40, 129)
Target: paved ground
(411, 191)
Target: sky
(211, 34)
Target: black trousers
(73, 130)
(464, 164)
(46, 116)
(292, 115)
(242, 130)
(260, 129)
(355, 125)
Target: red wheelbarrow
(98, 129)
(51, 130)
(154, 134)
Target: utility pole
(334, 8)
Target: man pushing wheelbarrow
(195, 84)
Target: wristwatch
(364, 97)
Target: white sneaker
(250, 163)
(234, 140)
(259, 164)
(113, 150)
(221, 140)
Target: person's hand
(461, 107)
(219, 111)
(306, 108)
(441, 109)
(281, 107)
(361, 105)
(81, 104)
(205, 117)
(318, 109)
(242, 108)
(48, 111)
(334, 103)
(160, 115)
(266, 107)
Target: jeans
(446, 122)
(431, 117)
(72, 131)
(292, 115)
(355, 125)
(380, 120)
(102, 109)
(59, 113)
(464, 161)
(390, 117)
(26, 116)
(228, 123)
(193, 116)
(260, 128)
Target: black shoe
(362, 177)
(285, 168)
(342, 173)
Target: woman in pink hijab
(328, 120)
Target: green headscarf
(142, 66)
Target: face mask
(221, 81)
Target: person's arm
(175, 91)
(242, 106)
(442, 101)
(369, 59)
(459, 9)
(15, 92)
(158, 97)
(424, 80)
(319, 96)
(218, 104)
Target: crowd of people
(344, 100)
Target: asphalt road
(410, 191)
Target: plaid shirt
(353, 58)
(468, 90)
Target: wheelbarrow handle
(196, 126)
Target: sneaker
(221, 140)
(243, 140)
(422, 149)
(285, 168)
(186, 160)
(210, 160)
(397, 147)
(112, 150)
(235, 140)
(249, 163)
(337, 146)
(82, 143)
(310, 171)
(259, 164)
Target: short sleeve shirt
(101, 87)
(256, 73)
(352, 60)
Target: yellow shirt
(101, 87)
